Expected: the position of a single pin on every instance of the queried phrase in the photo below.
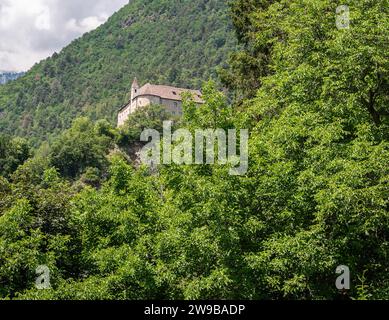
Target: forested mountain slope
(314, 99)
(162, 41)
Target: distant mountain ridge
(168, 42)
(6, 76)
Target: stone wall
(172, 106)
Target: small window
(175, 93)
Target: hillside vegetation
(164, 42)
(315, 197)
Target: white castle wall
(172, 106)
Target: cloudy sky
(31, 30)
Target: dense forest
(315, 100)
(164, 42)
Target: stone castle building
(169, 97)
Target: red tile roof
(168, 92)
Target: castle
(169, 97)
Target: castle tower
(134, 89)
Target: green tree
(13, 152)
(83, 146)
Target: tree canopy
(315, 196)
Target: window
(175, 93)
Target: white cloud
(31, 30)
(43, 20)
(86, 24)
